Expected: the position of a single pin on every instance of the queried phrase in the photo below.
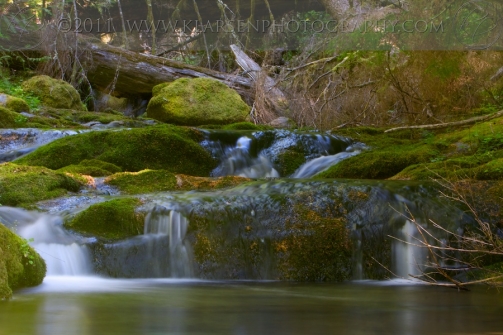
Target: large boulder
(54, 93)
(194, 102)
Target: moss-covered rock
(161, 147)
(15, 104)
(148, 181)
(289, 161)
(8, 118)
(114, 219)
(20, 265)
(380, 163)
(24, 185)
(53, 92)
(92, 167)
(237, 126)
(196, 102)
(107, 102)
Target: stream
(236, 261)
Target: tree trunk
(130, 73)
(273, 95)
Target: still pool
(90, 305)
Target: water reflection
(192, 307)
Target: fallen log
(450, 124)
(130, 73)
(273, 95)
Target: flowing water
(161, 283)
(167, 306)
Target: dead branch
(450, 124)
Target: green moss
(7, 118)
(325, 237)
(25, 185)
(83, 117)
(144, 181)
(380, 163)
(114, 219)
(13, 103)
(148, 181)
(197, 102)
(20, 265)
(92, 167)
(160, 147)
(491, 171)
(289, 161)
(53, 92)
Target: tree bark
(274, 96)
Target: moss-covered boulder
(171, 148)
(8, 118)
(15, 104)
(196, 102)
(92, 167)
(114, 219)
(380, 163)
(54, 93)
(25, 185)
(148, 181)
(20, 265)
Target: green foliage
(172, 148)
(114, 219)
(13, 88)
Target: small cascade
(15, 143)
(409, 258)
(239, 162)
(322, 163)
(162, 224)
(61, 251)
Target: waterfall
(171, 225)
(409, 258)
(61, 251)
(239, 162)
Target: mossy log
(132, 73)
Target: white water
(61, 251)
(409, 258)
(172, 225)
(238, 162)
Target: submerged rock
(194, 102)
(54, 92)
